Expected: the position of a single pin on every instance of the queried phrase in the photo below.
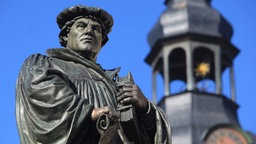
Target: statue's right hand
(112, 113)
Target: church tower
(190, 44)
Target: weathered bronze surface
(128, 118)
(66, 97)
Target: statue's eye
(81, 25)
(97, 29)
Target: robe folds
(55, 96)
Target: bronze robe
(56, 94)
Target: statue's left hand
(130, 93)
(112, 113)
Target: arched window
(204, 72)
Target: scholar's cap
(73, 12)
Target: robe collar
(69, 55)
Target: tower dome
(190, 16)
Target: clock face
(226, 135)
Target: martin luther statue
(61, 96)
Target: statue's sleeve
(47, 108)
(156, 125)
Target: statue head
(68, 16)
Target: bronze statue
(66, 97)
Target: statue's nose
(88, 29)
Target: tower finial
(166, 2)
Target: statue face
(85, 35)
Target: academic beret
(73, 12)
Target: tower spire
(204, 35)
(190, 42)
(167, 2)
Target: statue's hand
(112, 113)
(130, 93)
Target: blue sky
(29, 27)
